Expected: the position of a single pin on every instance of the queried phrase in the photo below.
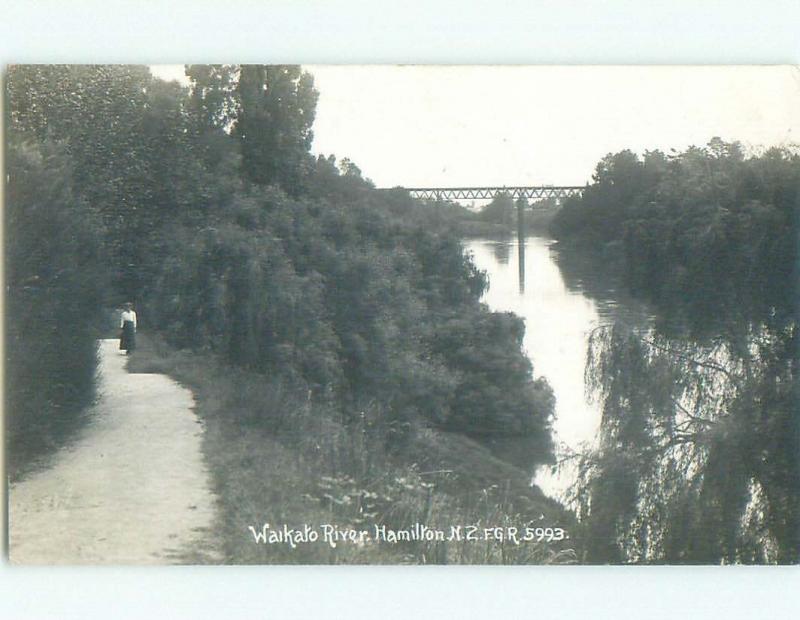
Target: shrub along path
(133, 489)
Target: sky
(439, 126)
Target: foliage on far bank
(711, 226)
(499, 217)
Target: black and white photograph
(401, 314)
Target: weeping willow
(697, 459)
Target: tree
(277, 104)
(213, 100)
(500, 210)
(698, 459)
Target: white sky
(515, 125)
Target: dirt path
(132, 490)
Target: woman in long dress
(127, 322)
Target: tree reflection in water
(502, 251)
(697, 459)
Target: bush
(54, 293)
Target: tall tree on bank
(276, 111)
(213, 95)
(127, 139)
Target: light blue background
(432, 31)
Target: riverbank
(277, 458)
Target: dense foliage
(699, 454)
(500, 210)
(709, 226)
(53, 281)
(231, 237)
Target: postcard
(290, 314)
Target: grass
(278, 457)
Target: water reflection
(501, 252)
(559, 317)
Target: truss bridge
(529, 192)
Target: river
(562, 299)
